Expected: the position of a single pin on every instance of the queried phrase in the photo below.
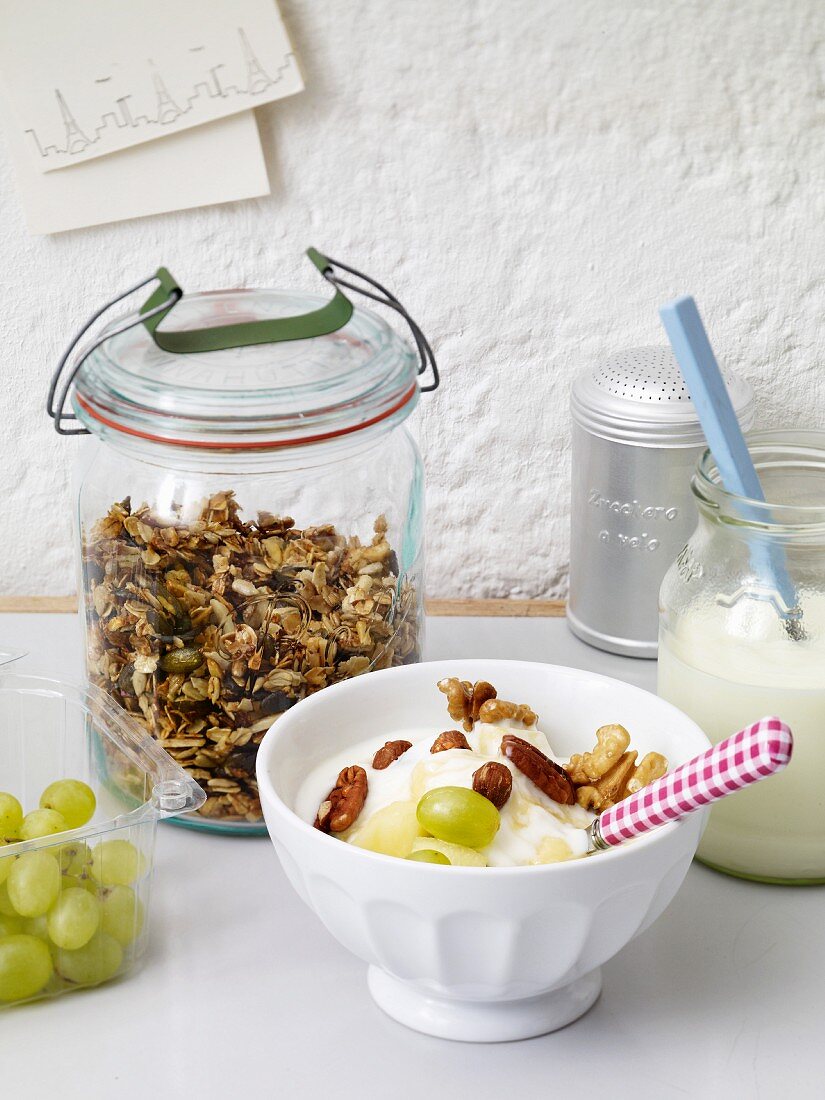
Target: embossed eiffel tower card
(84, 78)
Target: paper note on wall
(219, 162)
(85, 78)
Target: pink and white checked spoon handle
(748, 756)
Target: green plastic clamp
(320, 322)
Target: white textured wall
(533, 177)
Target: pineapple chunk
(390, 830)
(457, 854)
(553, 850)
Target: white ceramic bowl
(477, 953)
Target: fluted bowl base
(483, 1021)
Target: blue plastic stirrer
(727, 444)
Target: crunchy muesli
(206, 631)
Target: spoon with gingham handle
(755, 753)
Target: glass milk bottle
(731, 650)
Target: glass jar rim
(269, 396)
(773, 449)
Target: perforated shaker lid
(639, 396)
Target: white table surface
(245, 995)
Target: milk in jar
(774, 829)
(733, 650)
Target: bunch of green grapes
(67, 911)
(65, 804)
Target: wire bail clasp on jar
(320, 322)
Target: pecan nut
(344, 802)
(389, 753)
(540, 769)
(494, 781)
(450, 739)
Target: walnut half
(497, 710)
(609, 773)
(611, 743)
(465, 700)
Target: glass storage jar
(250, 524)
(742, 635)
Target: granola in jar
(208, 616)
(206, 631)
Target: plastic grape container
(74, 905)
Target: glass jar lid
(255, 397)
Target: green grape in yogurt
(428, 855)
(459, 816)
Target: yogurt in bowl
(486, 952)
(533, 828)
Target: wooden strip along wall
(473, 608)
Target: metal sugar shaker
(636, 441)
